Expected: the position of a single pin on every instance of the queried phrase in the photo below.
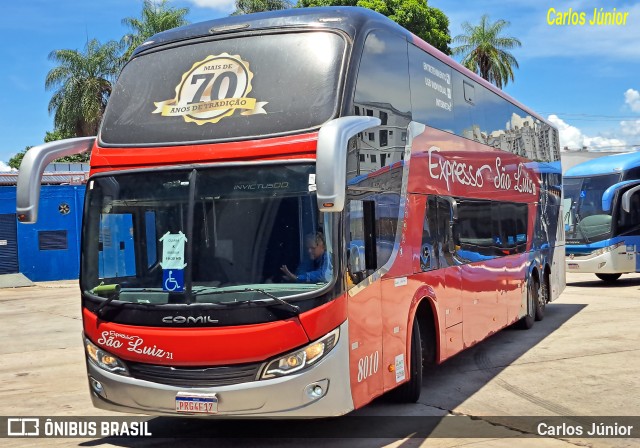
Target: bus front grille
(195, 376)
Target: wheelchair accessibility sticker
(173, 261)
(173, 280)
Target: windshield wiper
(111, 292)
(293, 308)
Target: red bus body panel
(196, 346)
(286, 148)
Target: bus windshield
(225, 230)
(226, 89)
(585, 220)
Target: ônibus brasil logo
(211, 90)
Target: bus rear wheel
(409, 392)
(609, 278)
(532, 304)
(541, 303)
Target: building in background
(50, 249)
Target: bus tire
(532, 298)
(609, 278)
(409, 392)
(541, 303)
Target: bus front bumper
(616, 259)
(284, 397)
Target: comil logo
(23, 427)
(211, 90)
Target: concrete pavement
(582, 360)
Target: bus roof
(614, 163)
(347, 19)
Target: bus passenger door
(364, 303)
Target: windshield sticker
(211, 90)
(173, 261)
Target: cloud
(631, 128)
(573, 138)
(226, 6)
(632, 99)
(4, 167)
(570, 136)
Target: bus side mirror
(626, 198)
(33, 165)
(331, 159)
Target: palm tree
(155, 18)
(82, 83)
(250, 6)
(484, 50)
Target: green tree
(51, 136)
(82, 85)
(251, 6)
(16, 160)
(484, 50)
(154, 18)
(56, 134)
(426, 22)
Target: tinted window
(448, 100)
(225, 89)
(476, 229)
(488, 229)
(431, 92)
(382, 90)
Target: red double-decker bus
(292, 213)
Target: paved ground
(582, 360)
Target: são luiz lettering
(579, 18)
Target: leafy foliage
(82, 84)
(154, 18)
(430, 24)
(484, 50)
(15, 161)
(251, 6)
(51, 136)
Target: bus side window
(428, 256)
(631, 220)
(446, 238)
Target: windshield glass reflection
(206, 236)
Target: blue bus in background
(602, 216)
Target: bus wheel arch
(422, 352)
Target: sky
(584, 79)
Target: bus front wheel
(409, 392)
(609, 278)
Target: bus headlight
(103, 359)
(302, 358)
